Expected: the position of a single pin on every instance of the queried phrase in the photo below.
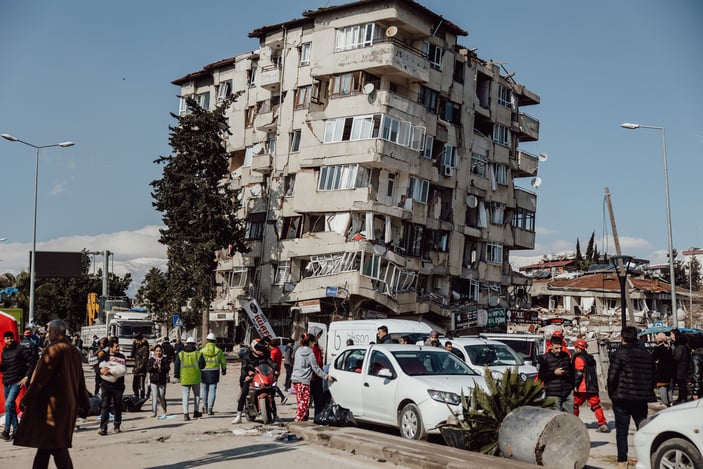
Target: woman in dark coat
(55, 395)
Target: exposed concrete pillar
(545, 437)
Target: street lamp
(32, 271)
(674, 313)
(622, 268)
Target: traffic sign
(177, 321)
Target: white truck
(121, 322)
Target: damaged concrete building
(377, 159)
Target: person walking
(215, 363)
(141, 357)
(316, 388)
(557, 373)
(112, 372)
(697, 373)
(586, 384)
(29, 343)
(189, 362)
(630, 386)
(682, 361)
(158, 368)
(287, 351)
(663, 361)
(305, 364)
(17, 366)
(55, 396)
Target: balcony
(523, 239)
(387, 56)
(525, 165)
(262, 163)
(526, 127)
(525, 199)
(270, 77)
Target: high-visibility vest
(190, 369)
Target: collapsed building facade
(376, 159)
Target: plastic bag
(335, 415)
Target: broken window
(292, 227)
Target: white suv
(477, 353)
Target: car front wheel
(411, 426)
(676, 453)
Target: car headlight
(444, 396)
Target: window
(351, 128)
(342, 177)
(252, 76)
(255, 225)
(346, 83)
(354, 37)
(474, 290)
(248, 156)
(391, 185)
(494, 253)
(479, 165)
(271, 144)
(458, 71)
(501, 171)
(372, 266)
(282, 273)
(395, 131)
(412, 239)
(501, 134)
(182, 106)
(434, 54)
(450, 156)
(203, 100)
(288, 185)
(302, 97)
(524, 219)
(451, 112)
(305, 50)
(295, 141)
(292, 227)
(429, 98)
(418, 190)
(505, 96)
(429, 142)
(497, 211)
(224, 90)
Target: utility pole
(618, 251)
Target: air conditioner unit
(447, 171)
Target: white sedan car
(410, 387)
(672, 438)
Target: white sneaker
(237, 419)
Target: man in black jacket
(17, 367)
(682, 360)
(697, 373)
(663, 369)
(557, 373)
(630, 387)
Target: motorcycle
(261, 393)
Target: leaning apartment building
(376, 159)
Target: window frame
(295, 138)
(494, 253)
(305, 53)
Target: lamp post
(622, 268)
(674, 313)
(32, 271)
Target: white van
(363, 331)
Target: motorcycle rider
(251, 357)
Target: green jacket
(188, 365)
(214, 357)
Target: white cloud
(545, 231)
(58, 188)
(135, 252)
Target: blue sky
(99, 74)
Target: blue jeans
(185, 389)
(208, 391)
(623, 411)
(11, 393)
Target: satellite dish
(493, 300)
(391, 31)
(536, 182)
(471, 201)
(543, 157)
(257, 148)
(369, 88)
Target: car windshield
(431, 362)
(493, 355)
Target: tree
(589, 250)
(694, 273)
(579, 257)
(199, 208)
(153, 293)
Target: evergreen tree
(694, 272)
(589, 249)
(153, 293)
(579, 256)
(198, 210)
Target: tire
(411, 426)
(265, 410)
(677, 452)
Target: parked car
(411, 387)
(529, 346)
(478, 352)
(671, 438)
